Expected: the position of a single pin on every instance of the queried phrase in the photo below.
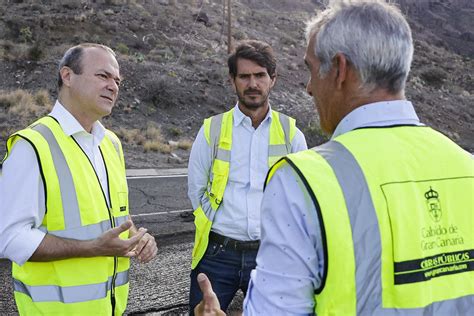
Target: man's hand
(107, 244)
(146, 248)
(110, 244)
(209, 306)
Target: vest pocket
(122, 200)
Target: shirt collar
(239, 116)
(71, 126)
(385, 113)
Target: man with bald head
(377, 221)
(64, 199)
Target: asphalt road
(158, 201)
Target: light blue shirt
(290, 258)
(238, 216)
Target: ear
(232, 81)
(65, 73)
(341, 66)
(274, 79)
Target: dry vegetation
(173, 63)
(151, 139)
(20, 108)
(23, 103)
(27, 106)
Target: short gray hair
(373, 35)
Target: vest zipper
(112, 223)
(112, 288)
(114, 275)
(111, 217)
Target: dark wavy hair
(256, 51)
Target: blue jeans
(227, 269)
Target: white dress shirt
(22, 200)
(238, 216)
(290, 258)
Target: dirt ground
(173, 59)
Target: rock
(164, 2)
(80, 18)
(173, 143)
(109, 12)
(134, 26)
(202, 17)
(71, 4)
(173, 158)
(150, 40)
(187, 216)
(293, 66)
(116, 2)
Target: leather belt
(234, 244)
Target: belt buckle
(235, 245)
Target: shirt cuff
(23, 245)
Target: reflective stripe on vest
(70, 294)
(275, 151)
(214, 136)
(218, 134)
(68, 192)
(72, 217)
(359, 203)
(402, 260)
(76, 208)
(281, 132)
(86, 232)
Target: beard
(260, 100)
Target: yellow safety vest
(76, 208)
(396, 210)
(218, 133)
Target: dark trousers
(228, 270)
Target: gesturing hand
(209, 306)
(146, 248)
(110, 244)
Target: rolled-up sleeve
(290, 258)
(21, 204)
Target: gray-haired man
(356, 226)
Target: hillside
(173, 58)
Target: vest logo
(123, 208)
(433, 204)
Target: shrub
(43, 99)
(35, 52)
(22, 102)
(434, 76)
(122, 49)
(153, 133)
(138, 57)
(175, 131)
(185, 144)
(131, 136)
(151, 138)
(26, 35)
(151, 145)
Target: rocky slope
(173, 58)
